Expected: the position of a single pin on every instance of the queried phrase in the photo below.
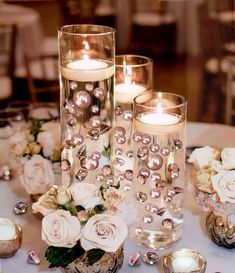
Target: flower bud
(63, 195)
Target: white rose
(45, 203)
(103, 231)
(49, 138)
(44, 113)
(61, 229)
(201, 157)
(228, 158)
(37, 175)
(224, 184)
(18, 143)
(63, 195)
(85, 194)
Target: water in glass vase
(86, 118)
(158, 179)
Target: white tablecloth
(219, 259)
(30, 36)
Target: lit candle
(184, 264)
(157, 123)
(7, 229)
(126, 92)
(87, 69)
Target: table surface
(218, 259)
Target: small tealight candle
(126, 92)
(10, 238)
(184, 261)
(7, 229)
(184, 264)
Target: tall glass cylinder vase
(86, 59)
(133, 76)
(159, 168)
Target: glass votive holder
(133, 77)
(10, 238)
(159, 169)
(184, 260)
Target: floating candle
(184, 264)
(126, 92)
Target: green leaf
(106, 152)
(80, 208)
(94, 255)
(62, 256)
(99, 209)
(35, 127)
(71, 208)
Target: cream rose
(37, 175)
(85, 194)
(202, 157)
(49, 138)
(45, 204)
(224, 184)
(18, 143)
(228, 158)
(61, 229)
(103, 231)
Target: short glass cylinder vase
(111, 262)
(86, 59)
(159, 168)
(133, 76)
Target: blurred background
(191, 42)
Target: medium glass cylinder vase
(86, 64)
(133, 76)
(159, 168)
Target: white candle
(126, 92)
(87, 70)
(184, 264)
(7, 229)
(156, 118)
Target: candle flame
(86, 49)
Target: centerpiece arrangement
(81, 228)
(214, 188)
(35, 155)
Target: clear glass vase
(86, 65)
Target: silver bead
(89, 86)
(96, 155)
(119, 131)
(118, 151)
(161, 211)
(174, 174)
(70, 107)
(100, 177)
(95, 109)
(127, 115)
(65, 165)
(121, 139)
(81, 175)
(148, 219)
(73, 85)
(151, 258)
(141, 196)
(168, 224)
(89, 163)
(146, 139)
(172, 167)
(145, 172)
(119, 161)
(93, 134)
(155, 193)
(20, 208)
(118, 111)
(77, 139)
(81, 151)
(141, 179)
(129, 154)
(137, 137)
(155, 176)
(128, 175)
(154, 148)
(142, 152)
(95, 121)
(165, 150)
(106, 170)
(99, 93)
(177, 143)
